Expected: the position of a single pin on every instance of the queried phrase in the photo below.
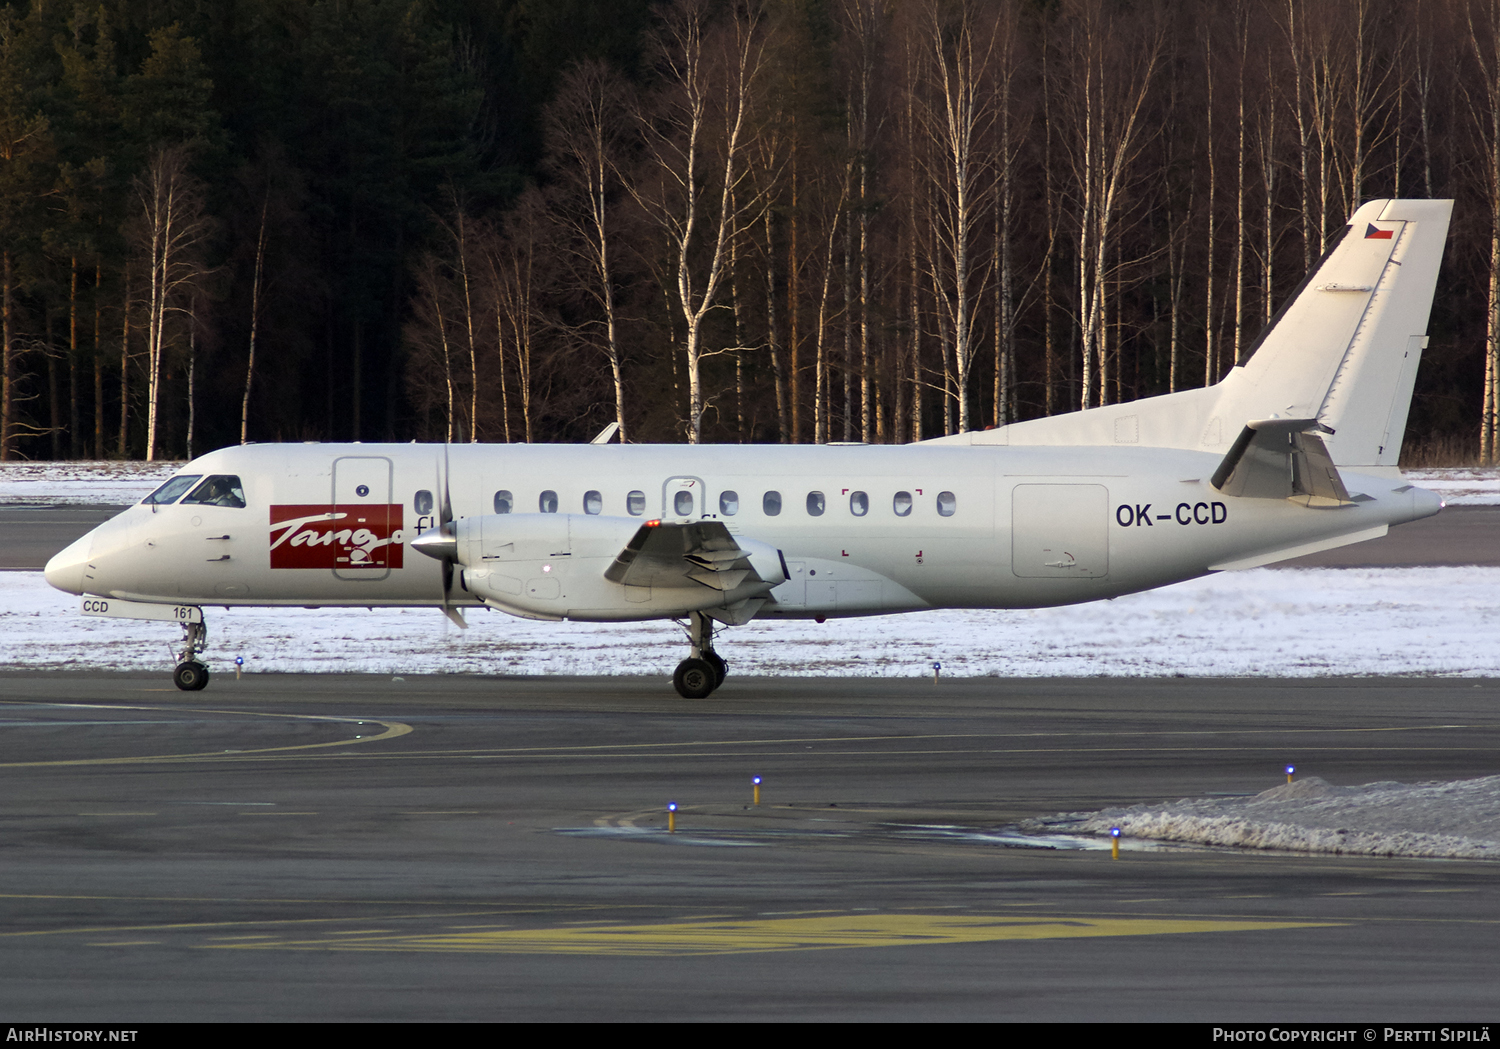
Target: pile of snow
(1440, 820)
(1262, 623)
(86, 482)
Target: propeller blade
(443, 544)
(445, 508)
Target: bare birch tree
(1112, 69)
(1482, 21)
(864, 25)
(955, 115)
(512, 264)
(257, 280)
(699, 138)
(172, 226)
(585, 126)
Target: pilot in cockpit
(219, 490)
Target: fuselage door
(1060, 531)
(682, 499)
(366, 522)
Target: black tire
(191, 676)
(695, 679)
(721, 668)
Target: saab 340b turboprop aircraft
(1293, 452)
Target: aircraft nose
(65, 570)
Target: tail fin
(1341, 355)
(1345, 349)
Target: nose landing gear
(191, 675)
(704, 670)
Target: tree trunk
(255, 286)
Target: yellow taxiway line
(769, 934)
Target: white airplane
(1294, 452)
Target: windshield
(219, 490)
(171, 491)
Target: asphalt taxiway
(30, 533)
(361, 848)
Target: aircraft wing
(1281, 459)
(669, 555)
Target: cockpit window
(219, 490)
(172, 490)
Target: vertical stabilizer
(1340, 357)
(1345, 350)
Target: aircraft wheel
(695, 679)
(721, 668)
(191, 676)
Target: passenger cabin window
(815, 504)
(859, 504)
(593, 503)
(171, 491)
(635, 502)
(729, 503)
(218, 490)
(422, 502)
(504, 502)
(547, 504)
(947, 504)
(770, 504)
(902, 504)
(682, 504)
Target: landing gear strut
(191, 675)
(704, 670)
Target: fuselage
(861, 529)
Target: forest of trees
(705, 220)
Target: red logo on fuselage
(343, 536)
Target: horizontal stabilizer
(1281, 459)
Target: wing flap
(701, 553)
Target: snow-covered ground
(71, 483)
(1264, 622)
(1461, 486)
(118, 483)
(1449, 820)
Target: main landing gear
(704, 670)
(191, 675)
